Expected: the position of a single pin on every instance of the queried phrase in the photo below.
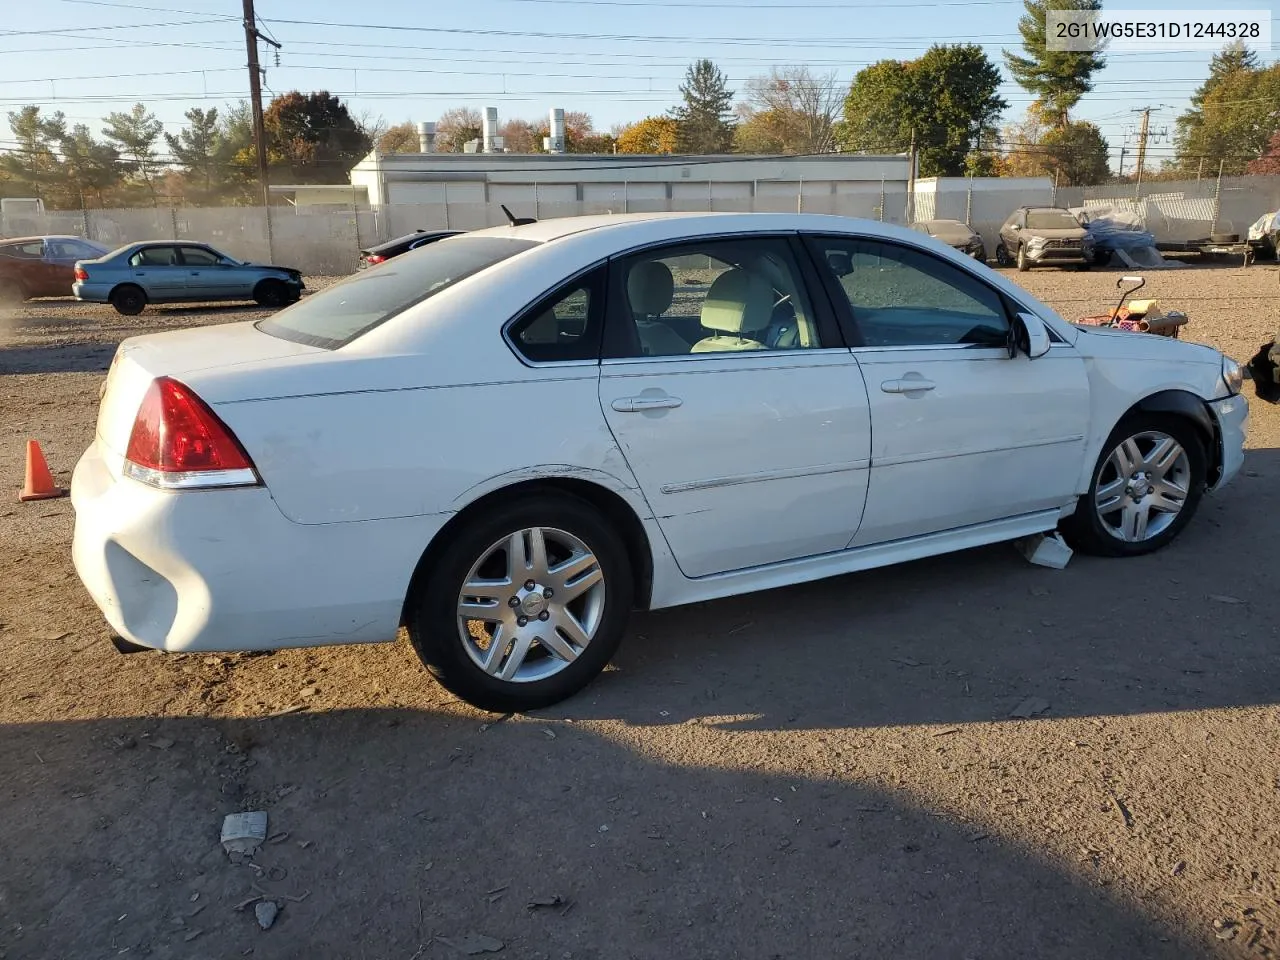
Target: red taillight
(374, 258)
(177, 441)
(81, 274)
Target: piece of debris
(538, 902)
(742, 626)
(1029, 708)
(296, 708)
(497, 889)
(266, 911)
(1223, 598)
(298, 899)
(55, 637)
(473, 944)
(308, 692)
(604, 828)
(906, 661)
(975, 837)
(1178, 868)
(243, 833)
(1045, 551)
(1039, 592)
(192, 935)
(278, 837)
(1124, 811)
(1227, 929)
(161, 743)
(947, 732)
(548, 733)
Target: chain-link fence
(326, 240)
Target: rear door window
(339, 314)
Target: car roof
(690, 224)
(49, 236)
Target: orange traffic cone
(39, 483)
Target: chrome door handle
(907, 385)
(641, 404)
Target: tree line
(944, 106)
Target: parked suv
(1043, 236)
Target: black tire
(11, 293)
(432, 613)
(128, 300)
(1224, 238)
(1084, 266)
(271, 293)
(1084, 530)
(981, 255)
(1023, 263)
(1002, 256)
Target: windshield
(1052, 220)
(336, 316)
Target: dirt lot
(824, 771)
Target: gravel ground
(827, 770)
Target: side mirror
(1031, 336)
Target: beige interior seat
(738, 307)
(650, 290)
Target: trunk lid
(139, 360)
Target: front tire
(1023, 263)
(1002, 255)
(525, 605)
(128, 300)
(1146, 487)
(271, 293)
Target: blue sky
(617, 60)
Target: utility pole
(911, 180)
(251, 38)
(1120, 173)
(1143, 133)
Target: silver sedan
(133, 276)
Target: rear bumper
(221, 570)
(1232, 416)
(91, 292)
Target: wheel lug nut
(547, 593)
(513, 602)
(544, 615)
(522, 621)
(529, 584)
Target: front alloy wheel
(1144, 485)
(1145, 489)
(524, 604)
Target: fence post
(1053, 198)
(444, 186)
(1217, 200)
(625, 186)
(537, 212)
(84, 221)
(800, 196)
(1200, 170)
(968, 202)
(173, 220)
(882, 198)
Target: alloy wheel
(1143, 486)
(531, 604)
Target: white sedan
(506, 441)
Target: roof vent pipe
(426, 137)
(490, 130)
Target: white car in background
(508, 440)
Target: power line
(63, 31)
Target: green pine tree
(704, 122)
(1057, 79)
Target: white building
(470, 187)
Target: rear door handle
(907, 385)
(641, 404)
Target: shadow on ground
(397, 826)
(968, 637)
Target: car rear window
(1052, 220)
(335, 316)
